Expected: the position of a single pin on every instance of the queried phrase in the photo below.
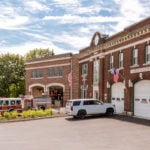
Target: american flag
(70, 78)
(115, 72)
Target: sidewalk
(60, 110)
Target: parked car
(80, 108)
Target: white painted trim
(84, 60)
(138, 70)
(102, 55)
(49, 66)
(127, 46)
(55, 84)
(49, 60)
(36, 84)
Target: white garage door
(117, 96)
(142, 99)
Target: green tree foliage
(12, 73)
(38, 53)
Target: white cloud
(130, 12)
(67, 2)
(76, 41)
(79, 10)
(74, 19)
(26, 47)
(34, 6)
(37, 36)
(9, 19)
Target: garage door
(142, 99)
(117, 96)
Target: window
(12, 102)
(84, 69)
(6, 102)
(37, 74)
(84, 91)
(111, 62)
(18, 102)
(147, 54)
(135, 57)
(55, 72)
(96, 72)
(91, 102)
(120, 59)
(76, 103)
(1, 102)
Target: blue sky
(63, 25)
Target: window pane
(18, 102)
(96, 72)
(135, 57)
(1, 102)
(84, 69)
(111, 61)
(58, 71)
(147, 54)
(12, 102)
(76, 103)
(37, 73)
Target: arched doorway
(117, 96)
(142, 99)
(37, 91)
(56, 94)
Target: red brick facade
(92, 76)
(55, 82)
(134, 37)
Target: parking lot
(65, 133)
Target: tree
(12, 72)
(38, 53)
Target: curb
(30, 119)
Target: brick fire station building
(115, 69)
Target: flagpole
(71, 80)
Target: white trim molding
(55, 84)
(36, 84)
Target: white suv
(83, 107)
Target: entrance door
(117, 96)
(142, 99)
(56, 94)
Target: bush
(37, 113)
(27, 114)
(7, 115)
(10, 115)
(14, 114)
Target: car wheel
(110, 112)
(82, 114)
(75, 117)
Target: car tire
(81, 114)
(110, 112)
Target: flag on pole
(70, 79)
(115, 73)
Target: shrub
(7, 115)
(37, 113)
(27, 114)
(14, 114)
(10, 115)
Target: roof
(50, 57)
